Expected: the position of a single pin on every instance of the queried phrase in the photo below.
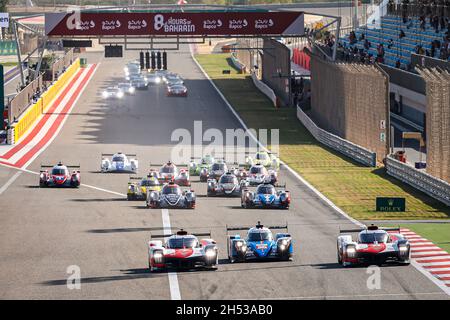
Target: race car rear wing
(371, 227)
(52, 165)
(259, 225)
(111, 154)
(201, 234)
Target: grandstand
(403, 29)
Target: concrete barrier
(264, 88)
(351, 150)
(28, 118)
(420, 180)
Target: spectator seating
(401, 49)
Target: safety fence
(434, 187)
(264, 88)
(34, 111)
(351, 150)
(237, 64)
(24, 98)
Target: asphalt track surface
(43, 231)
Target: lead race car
(119, 162)
(59, 176)
(373, 245)
(182, 250)
(266, 196)
(139, 187)
(228, 185)
(259, 244)
(171, 196)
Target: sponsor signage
(385, 204)
(4, 19)
(178, 23)
(77, 43)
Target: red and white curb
(47, 127)
(430, 258)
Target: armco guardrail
(357, 153)
(434, 187)
(264, 88)
(34, 111)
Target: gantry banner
(79, 24)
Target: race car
(205, 162)
(139, 83)
(112, 92)
(168, 172)
(228, 185)
(138, 187)
(373, 245)
(216, 170)
(182, 250)
(59, 176)
(265, 196)
(177, 90)
(171, 196)
(267, 159)
(182, 179)
(258, 174)
(153, 79)
(119, 162)
(127, 88)
(259, 244)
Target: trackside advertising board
(173, 24)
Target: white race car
(119, 162)
(258, 174)
(112, 92)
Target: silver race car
(112, 92)
(216, 170)
(119, 162)
(228, 185)
(171, 196)
(258, 174)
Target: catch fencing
(351, 101)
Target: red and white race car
(182, 250)
(59, 176)
(169, 172)
(373, 246)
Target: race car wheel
(42, 184)
(130, 197)
(231, 259)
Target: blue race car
(265, 196)
(259, 244)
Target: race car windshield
(265, 189)
(181, 243)
(167, 169)
(228, 179)
(149, 183)
(261, 156)
(58, 171)
(255, 170)
(118, 158)
(218, 166)
(372, 237)
(260, 236)
(172, 190)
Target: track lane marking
(173, 278)
(10, 181)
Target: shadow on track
(128, 274)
